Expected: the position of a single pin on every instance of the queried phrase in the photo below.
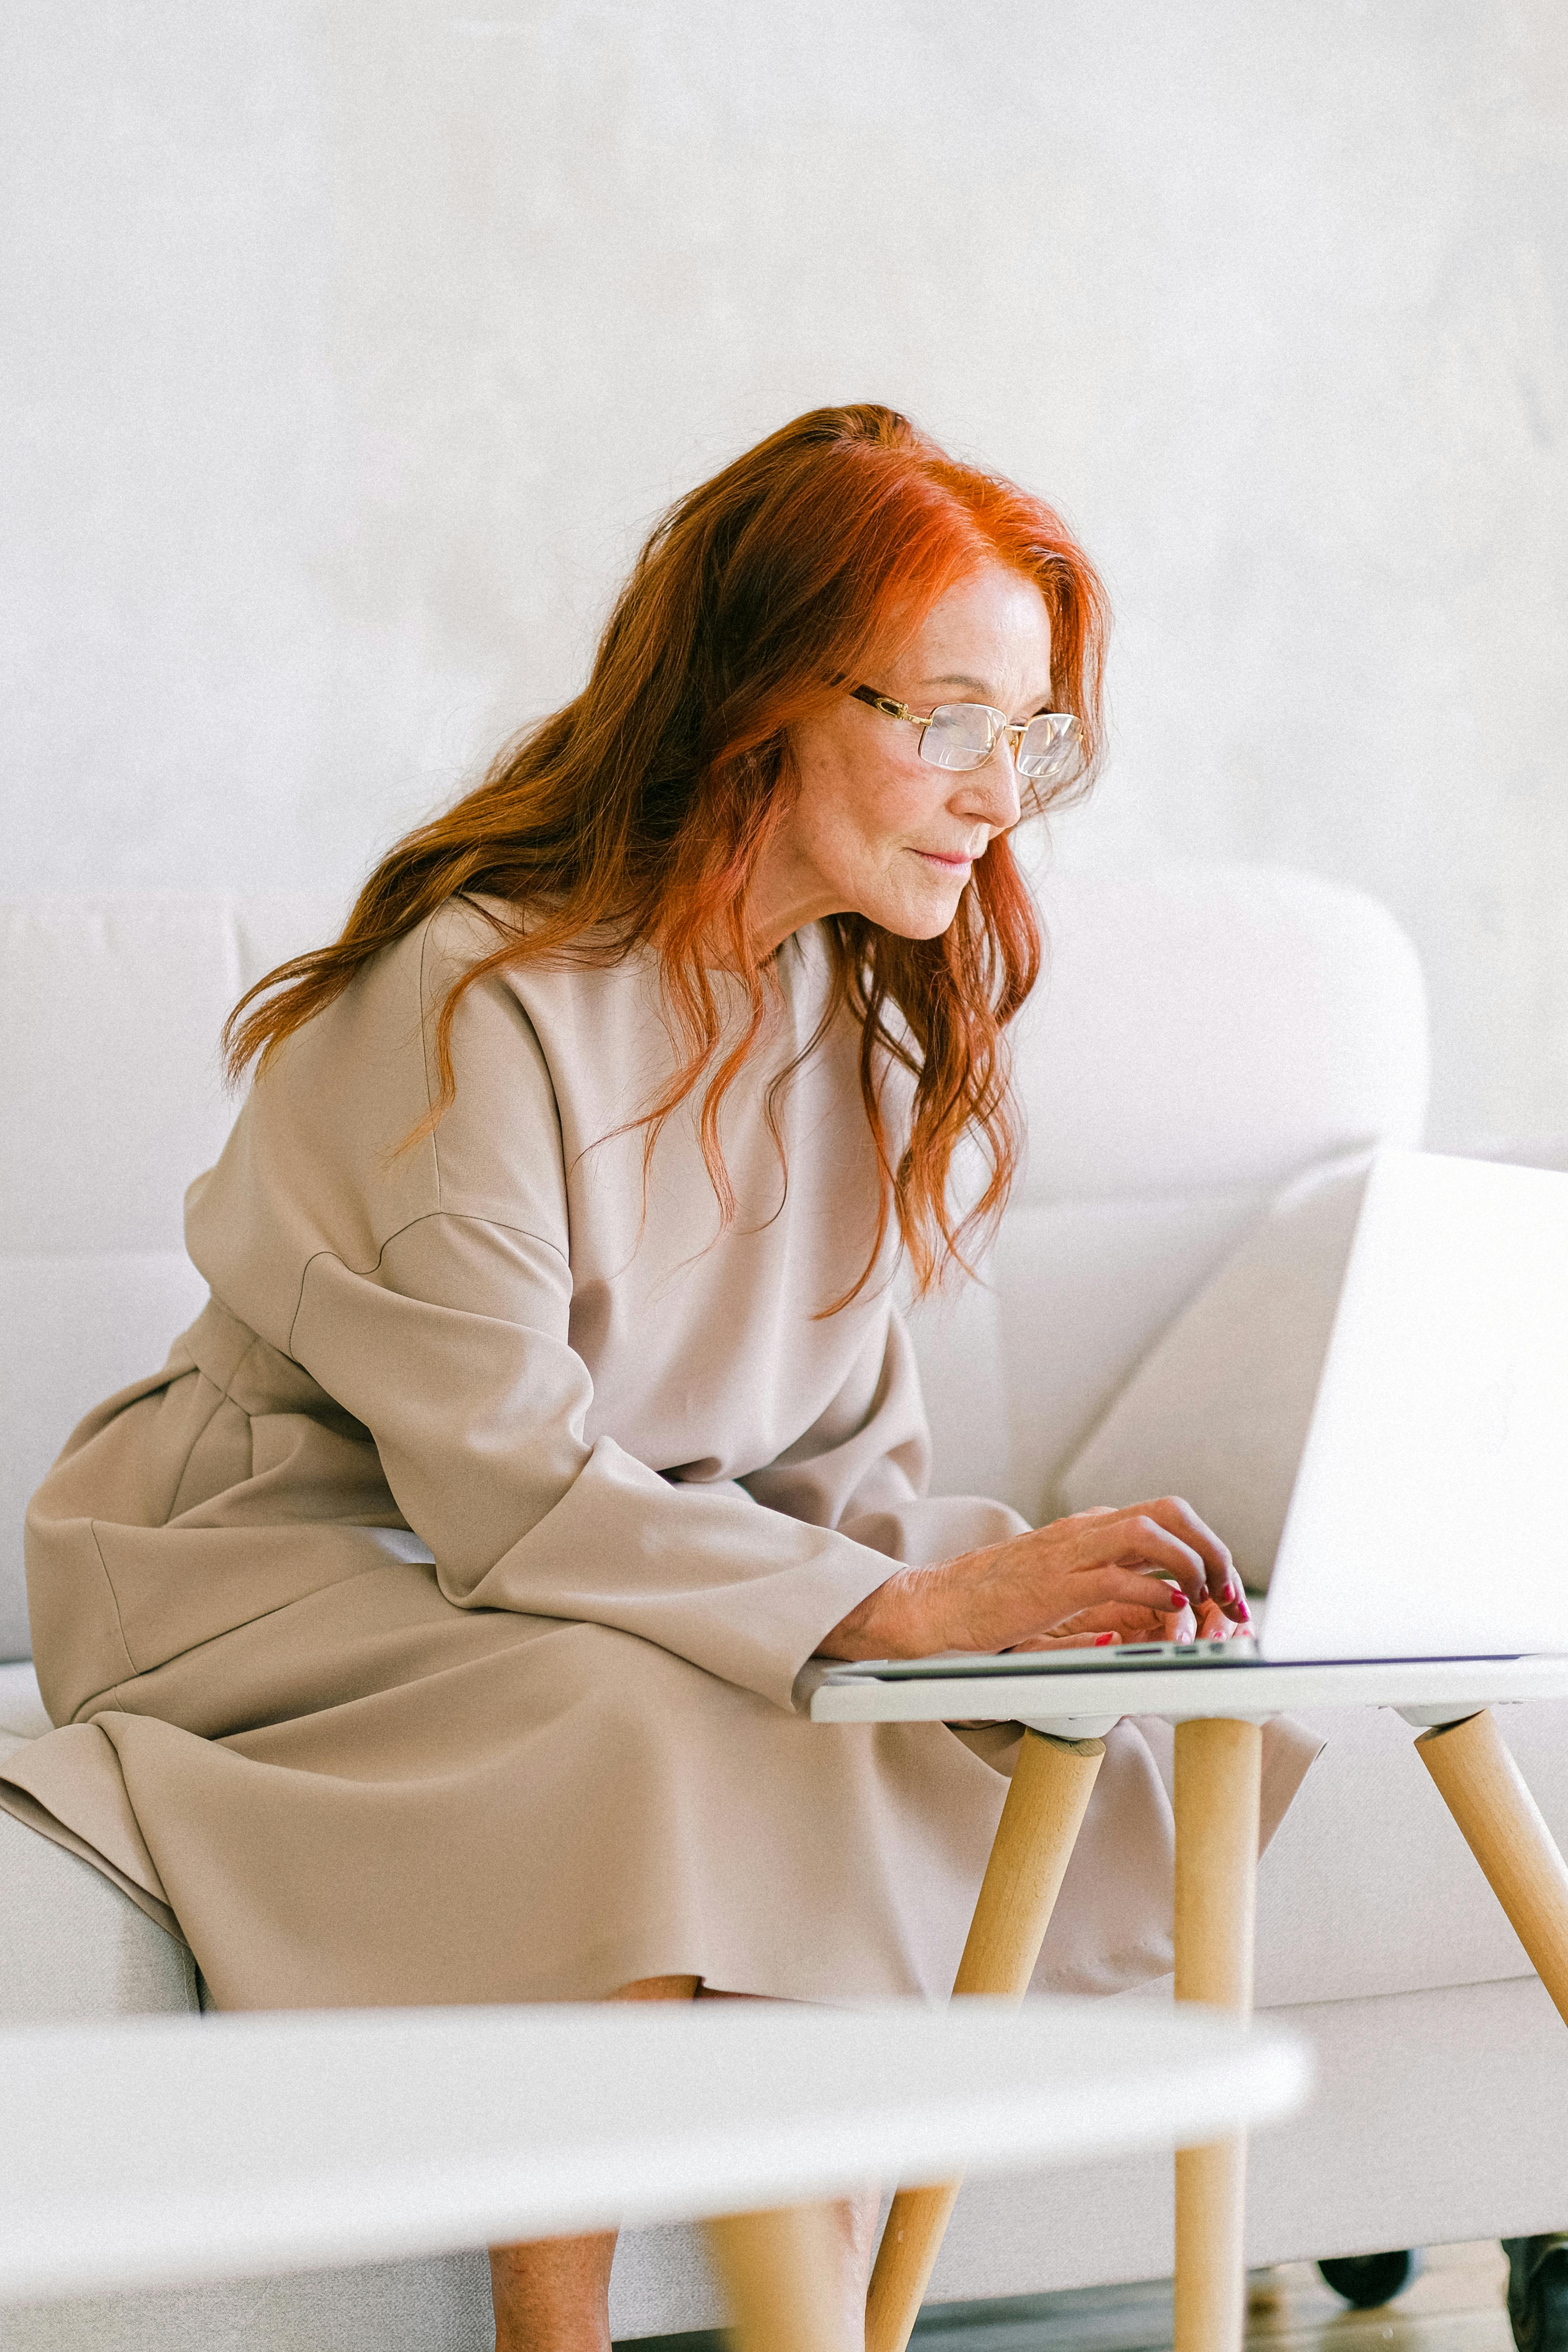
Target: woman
(426, 1630)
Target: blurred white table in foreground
(173, 2150)
(1217, 1711)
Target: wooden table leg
(1218, 1773)
(1051, 1785)
(1502, 1823)
(782, 2277)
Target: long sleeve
(588, 1400)
(863, 1467)
(454, 1354)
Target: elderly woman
(426, 1630)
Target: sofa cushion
(110, 1014)
(1216, 1025)
(1217, 1410)
(1201, 1036)
(1017, 1368)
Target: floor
(1456, 2306)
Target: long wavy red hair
(638, 812)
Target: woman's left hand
(1119, 1623)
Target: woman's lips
(949, 865)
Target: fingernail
(1178, 1597)
(1101, 1639)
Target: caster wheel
(1367, 2279)
(1538, 2293)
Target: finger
(1170, 1625)
(1173, 1511)
(1094, 1588)
(1176, 1515)
(1131, 1538)
(1181, 1626)
(1231, 1599)
(1116, 1617)
(1229, 1595)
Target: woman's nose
(993, 793)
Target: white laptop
(1429, 1513)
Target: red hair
(640, 810)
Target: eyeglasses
(964, 734)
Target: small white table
(1217, 1712)
(161, 2151)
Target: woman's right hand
(1100, 1574)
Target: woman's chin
(922, 917)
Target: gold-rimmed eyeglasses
(964, 734)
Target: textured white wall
(349, 350)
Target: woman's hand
(1152, 1572)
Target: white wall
(349, 349)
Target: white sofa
(1207, 1035)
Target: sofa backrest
(1205, 1034)
(110, 1014)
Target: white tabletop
(1445, 1686)
(163, 2150)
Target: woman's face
(874, 830)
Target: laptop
(1429, 1513)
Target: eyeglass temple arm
(888, 707)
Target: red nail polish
(1101, 1639)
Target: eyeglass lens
(1049, 745)
(958, 735)
(964, 735)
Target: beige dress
(426, 1630)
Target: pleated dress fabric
(426, 1630)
